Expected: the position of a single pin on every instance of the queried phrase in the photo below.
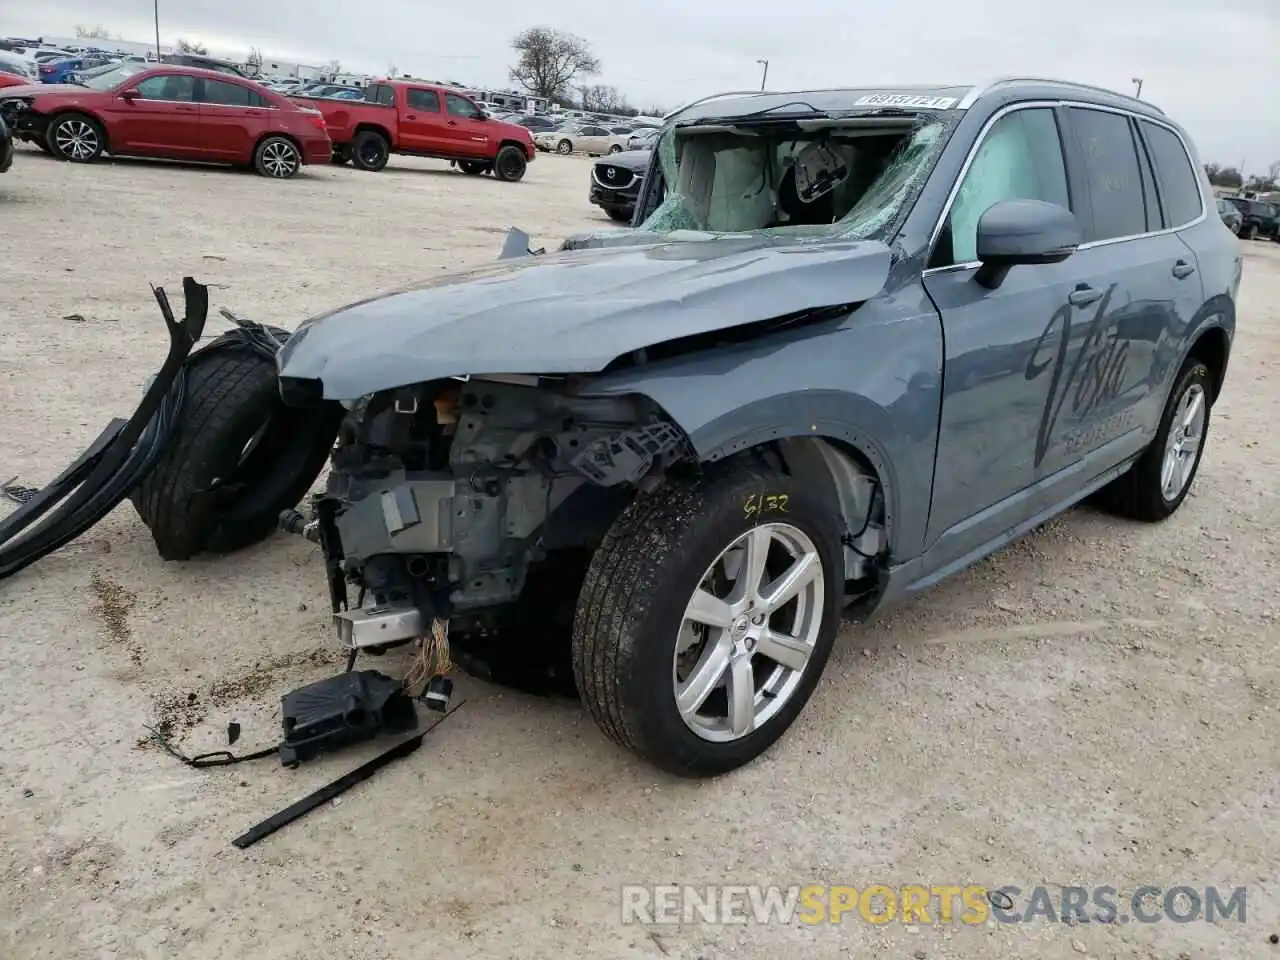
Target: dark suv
(858, 340)
(1259, 218)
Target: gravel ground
(1096, 705)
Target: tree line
(553, 64)
(1231, 178)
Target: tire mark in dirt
(114, 604)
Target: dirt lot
(1097, 705)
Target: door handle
(1182, 269)
(1083, 295)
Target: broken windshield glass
(847, 178)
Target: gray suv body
(859, 340)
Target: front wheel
(277, 158)
(510, 164)
(1251, 233)
(1155, 486)
(706, 618)
(615, 149)
(564, 148)
(75, 137)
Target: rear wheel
(278, 158)
(510, 164)
(370, 151)
(706, 617)
(75, 137)
(1155, 486)
(474, 167)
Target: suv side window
(1020, 158)
(425, 100)
(1179, 185)
(168, 86)
(381, 93)
(461, 107)
(1111, 168)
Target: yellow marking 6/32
(765, 503)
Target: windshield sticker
(905, 100)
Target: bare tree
(1221, 176)
(92, 33)
(600, 98)
(253, 62)
(550, 60)
(332, 68)
(1273, 172)
(188, 46)
(391, 70)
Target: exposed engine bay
(446, 499)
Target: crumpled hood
(575, 311)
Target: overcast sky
(1214, 65)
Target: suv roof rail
(715, 96)
(987, 86)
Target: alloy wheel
(1186, 434)
(280, 158)
(76, 140)
(748, 632)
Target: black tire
(564, 148)
(510, 164)
(75, 137)
(474, 168)
(1251, 232)
(370, 151)
(1139, 493)
(237, 458)
(615, 149)
(631, 607)
(621, 214)
(277, 158)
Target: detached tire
(703, 700)
(510, 164)
(1155, 486)
(237, 457)
(370, 151)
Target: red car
(146, 110)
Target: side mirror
(1014, 233)
(130, 94)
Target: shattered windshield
(822, 178)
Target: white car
(587, 138)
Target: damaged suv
(858, 340)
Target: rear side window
(1111, 168)
(1179, 186)
(231, 95)
(425, 100)
(382, 94)
(1020, 158)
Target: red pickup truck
(423, 120)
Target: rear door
(233, 116)
(421, 121)
(467, 128)
(1134, 280)
(163, 120)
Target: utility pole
(157, 8)
(1138, 81)
(765, 75)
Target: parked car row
(187, 113)
(1258, 219)
(589, 138)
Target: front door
(163, 120)
(421, 122)
(998, 382)
(467, 129)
